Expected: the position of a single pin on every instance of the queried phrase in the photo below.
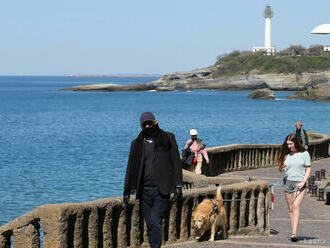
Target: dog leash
(272, 185)
(240, 199)
(215, 209)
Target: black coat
(167, 166)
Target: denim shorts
(291, 186)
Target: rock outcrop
(204, 79)
(262, 94)
(319, 92)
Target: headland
(242, 71)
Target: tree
(294, 50)
(315, 50)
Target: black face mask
(194, 138)
(151, 131)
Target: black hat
(146, 116)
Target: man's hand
(177, 193)
(126, 200)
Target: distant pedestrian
(295, 162)
(153, 173)
(301, 134)
(196, 146)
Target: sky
(105, 37)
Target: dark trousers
(154, 207)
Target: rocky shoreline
(204, 79)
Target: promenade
(314, 226)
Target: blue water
(62, 146)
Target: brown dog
(210, 214)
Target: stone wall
(252, 156)
(106, 223)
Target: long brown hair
(285, 150)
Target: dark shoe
(294, 238)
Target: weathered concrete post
(252, 210)
(172, 232)
(27, 237)
(233, 213)
(242, 209)
(135, 226)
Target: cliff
(238, 71)
(319, 92)
(203, 79)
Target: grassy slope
(237, 63)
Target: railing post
(145, 235)
(93, 228)
(4, 242)
(122, 230)
(27, 237)
(242, 209)
(259, 157)
(135, 226)
(195, 203)
(261, 210)
(267, 212)
(240, 158)
(78, 230)
(184, 219)
(172, 230)
(54, 225)
(233, 213)
(252, 210)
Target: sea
(65, 146)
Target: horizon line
(87, 75)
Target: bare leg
(289, 200)
(296, 209)
(198, 169)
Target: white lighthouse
(267, 49)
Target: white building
(323, 29)
(268, 49)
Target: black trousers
(154, 207)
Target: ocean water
(62, 146)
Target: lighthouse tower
(268, 14)
(267, 49)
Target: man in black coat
(153, 172)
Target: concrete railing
(106, 223)
(251, 156)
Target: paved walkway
(314, 227)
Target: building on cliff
(322, 29)
(268, 49)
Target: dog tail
(218, 196)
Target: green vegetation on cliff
(242, 63)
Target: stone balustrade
(251, 156)
(106, 223)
